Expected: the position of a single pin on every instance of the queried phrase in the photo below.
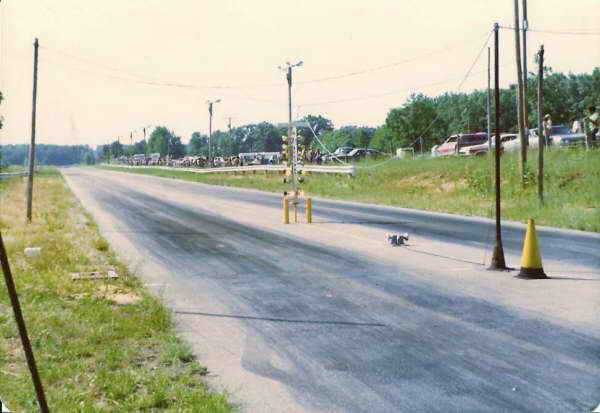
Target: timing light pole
(288, 68)
(210, 115)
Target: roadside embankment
(101, 345)
(455, 185)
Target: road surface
(328, 317)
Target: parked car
(448, 147)
(562, 135)
(459, 143)
(480, 149)
(511, 141)
(359, 153)
(339, 153)
(465, 141)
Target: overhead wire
(136, 77)
(462, 82)
(391, 93)
(382, 67)
(95, 72)
(146, 80)
(557, 32)
(460, 85)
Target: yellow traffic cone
(531, 261)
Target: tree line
(432, 118)
(566, 96)
(46, 154)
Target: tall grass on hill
(460, 185)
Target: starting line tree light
(291, 159)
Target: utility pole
(489, 103)
(145, 145)
(498, 262)
(32, 144)
(525, 76)
(229, 129)
(541, 134)
(520, 101)
(288, 69)
(210, 115)
(14, 300)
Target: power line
(395, 92)
(176, 85)
(142, 79)
(384, 94)
(558, 32)
(460, 85)
(145, 80)
(382, 67)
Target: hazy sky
(113, 66)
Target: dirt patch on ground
(566, 180)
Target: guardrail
(344, 169)
(12, 174)
(324, 169)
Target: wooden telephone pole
(525, 105)
(520, 100)
(27, 349)
(32, 144)
(498, 262)
(541, 134)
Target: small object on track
(397, 240)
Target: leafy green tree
(159, 141)
(116, 149)
(106, 154)
(89, 158)
(362, 136)
(140, 147)
(319, 124)
(45, 154)
(176, 147)
(417, 118)
(339, 137)
(198, 144)
(385, 140)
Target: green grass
(12, 168)
(455, 185)
(93, 354)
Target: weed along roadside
(101, 341)
(459, 185)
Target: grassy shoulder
(104, 345)
(455, 185)
(12, 168)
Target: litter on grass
(95, 275)
(33, 252)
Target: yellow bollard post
(286, 210)
(295, 212)
(309, 210)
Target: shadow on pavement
(279, 320)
